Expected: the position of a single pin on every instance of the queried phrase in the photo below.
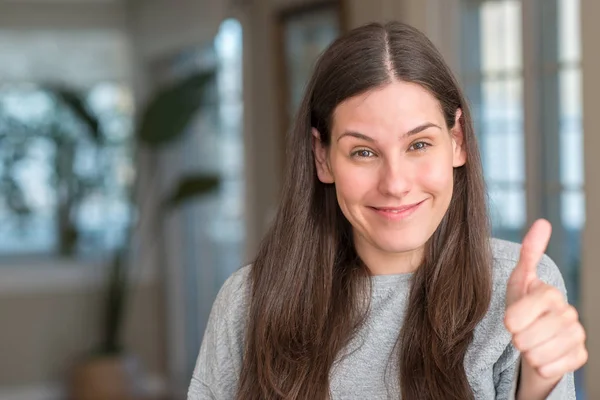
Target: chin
(401, 243)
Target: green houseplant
(163, 120)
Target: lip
(397, 213)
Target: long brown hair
(310, 291)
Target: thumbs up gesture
(544, 327)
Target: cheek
(352, 183)
(435, 176)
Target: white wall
(61, 15)
(63, 41)
(161, 27)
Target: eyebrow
(413, 131)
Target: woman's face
(391, 159)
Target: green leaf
(190, 187)
(76, 103)
(171, 110)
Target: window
(522, 75)
(493, 77)
(63, 193)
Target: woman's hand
(545, 328)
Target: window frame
(541, 114)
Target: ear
(321, 158)
(459, 151)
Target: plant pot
(106, 378)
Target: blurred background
(141, 157)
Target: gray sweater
(491, 361)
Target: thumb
(533, 248)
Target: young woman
(378, 278)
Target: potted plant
(109, 372)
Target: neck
(381, 262)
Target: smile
(397, 213)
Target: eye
(363, 153)
(419, 146)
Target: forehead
(398, 105)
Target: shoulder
(228, 316)
(505, 256)
(229, 308)
(237, 282)
(234, 296)
(221, 351)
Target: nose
(396, 177)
